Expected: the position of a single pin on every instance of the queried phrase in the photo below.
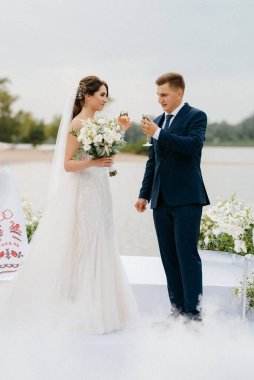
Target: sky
(49, 45)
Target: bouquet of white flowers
(99, 138)
(32, 219)
(227, 226)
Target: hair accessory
(81, 91)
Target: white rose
(109, 139)
(101, 121)
(118, 137)
(107, 130)
(98, 138)
(206, 240)
(240, 246)
(244, 248)
(237, 246)
(26, 205)
(86, 147)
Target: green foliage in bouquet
(229, 227)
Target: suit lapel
(179, 117)
(159, 120)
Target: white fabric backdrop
(13, 238)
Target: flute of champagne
(123, 117)
(146, 117)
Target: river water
(225, 170)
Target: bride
(73, 276)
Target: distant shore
(22, 153)
(8, 156)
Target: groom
(173, 184)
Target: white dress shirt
(175, 112)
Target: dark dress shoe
(193, 317)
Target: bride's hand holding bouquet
(102, 162)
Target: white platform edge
(219, 269)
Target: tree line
(22, 127)
(217, 134)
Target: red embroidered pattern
(16, 238)
(9, 266)
(9, 243)
(8, 271)
(6, 214)
(10, 250)
(8, 253)
(15, 228)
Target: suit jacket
(173, 166)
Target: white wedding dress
(73, 277)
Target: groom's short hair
(173, 79)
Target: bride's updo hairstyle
(88, 85)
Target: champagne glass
(146, 117)
(123, 117)
(124, 113)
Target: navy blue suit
(173, 184)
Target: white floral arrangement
(32, 219)
(99, 138)
(227, 226)
(238, 292)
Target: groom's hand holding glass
(148, 126)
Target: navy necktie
(168, 118)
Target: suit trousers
(177, 229)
